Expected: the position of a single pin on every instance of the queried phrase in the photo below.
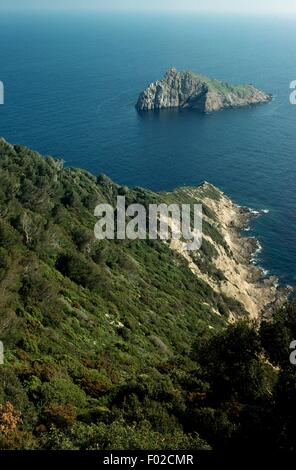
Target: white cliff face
(243, 281)
(188, 90)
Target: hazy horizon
(209, 6)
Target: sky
(219, 6)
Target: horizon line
(148, 10)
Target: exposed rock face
(193, 91)
(243, 281)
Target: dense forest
(117, 344)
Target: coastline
(244, 281)
(269, 295)
(227, 262)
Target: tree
(9, 419)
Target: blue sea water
(71, 82)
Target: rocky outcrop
(193, 91)
(242, 280)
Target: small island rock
(194, 91)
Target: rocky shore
(194, 91)
(244, 281)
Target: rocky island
(194, 91)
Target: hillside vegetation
(119, 344)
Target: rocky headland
(242, 280)
(88, 323)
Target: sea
(71, 82)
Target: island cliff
(194, 91)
